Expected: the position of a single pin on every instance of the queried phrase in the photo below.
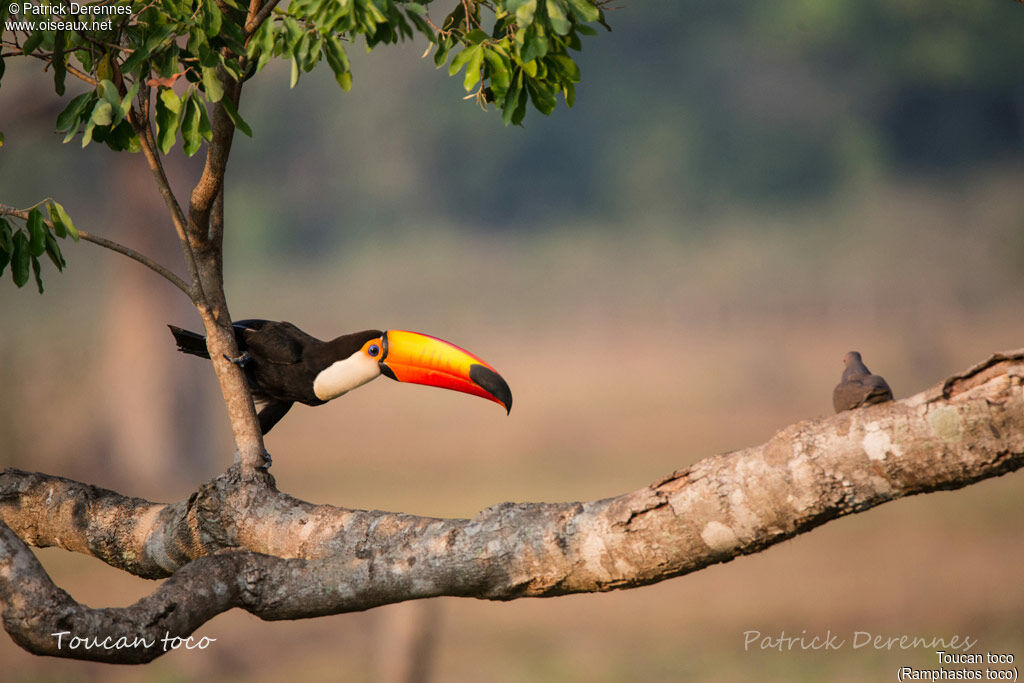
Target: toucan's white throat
(345, 375)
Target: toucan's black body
(282, 361)
(285, 365)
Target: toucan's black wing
(272, 413)
(272, 342)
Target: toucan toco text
(284, 364)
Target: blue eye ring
(374, 351)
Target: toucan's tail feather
(190, 342)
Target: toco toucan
(284, 364)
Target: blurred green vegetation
(687, 109)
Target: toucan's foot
(267, 461)
(241, 361)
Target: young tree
(174, 70)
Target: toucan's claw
(241, 361)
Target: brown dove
(858, 387)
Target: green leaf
(461, 59)
(443, 48)
(534, 43)
(102, 113)
(204, 121)
(20, 259)
(168, 117)
(68, 119)
(569, 91)
(190, 136)
(499, 74)
(473, 68)
(566, 67)
(508, 108)
(214, 88)
(5, 258)
(1, 139)
(556, 16)
(28, 47)
(36, 270)
(59, 67)
(334, 52)
(292, 33)
(520, 110)
(232, 112)
(53, 251)
(103, 70)
(136, 58)
(60, 217)
(108, 91)
(59, 228)
(211, 19)
(129, 97)
(36, 232)
(584, 10)
(263, 43)
(301, 52)
(525, 12)
(543, 99)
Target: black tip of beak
(492, 383)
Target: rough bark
(238, 542)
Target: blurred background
(674, 268)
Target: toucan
(283, 364)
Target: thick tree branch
(281, 558)
(211, 182)
(205, 235)
(201, 237)
(45, 620)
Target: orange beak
(422, 359)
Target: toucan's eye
(374, 350)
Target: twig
(253, 21)
(113, 246)
(143, 129)
(74, 71)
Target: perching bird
(858, 387)
(284, 364)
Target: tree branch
(204, 258)
(205, 234)
(320, 559)
(77, 73)
(257, 15)
(211, 182)
(153, 265)
(141, 258)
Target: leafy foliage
(155, 68)
(512, 51)
(22, 247)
